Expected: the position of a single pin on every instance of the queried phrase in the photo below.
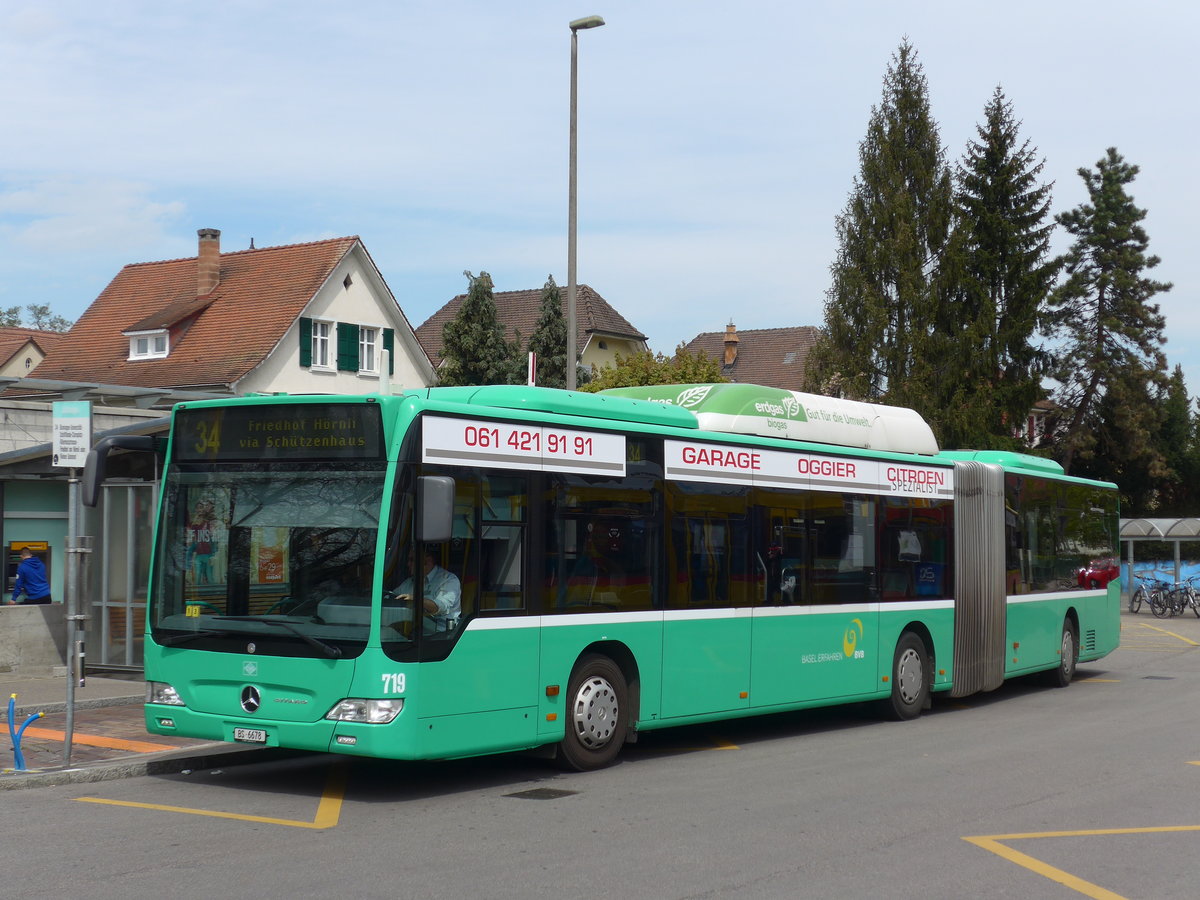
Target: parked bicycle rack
(17, 733)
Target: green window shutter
(389, 341)
(347, 347)
(305, 341)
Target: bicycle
(1150, 591)
(1156, 596)
(1182, 596)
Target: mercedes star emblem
(251, 699)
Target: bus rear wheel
(910, 678)
(1068, 658)
(597, 714)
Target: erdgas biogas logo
(693, 395)
(786, 407)
(851, 638)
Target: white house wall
(365, 302)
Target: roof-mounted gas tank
(772, 412)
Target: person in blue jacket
(31, 579)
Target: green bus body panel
(706, 664)
(817, 655)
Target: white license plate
(250, 735)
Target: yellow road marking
(329, 810)
(992, 844)
(1188, 641)
(93, 740)
(719, 743)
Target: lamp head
(587, 22)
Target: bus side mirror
(97, 459)
(435, 503)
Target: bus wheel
(910, 678)
(597, 714)
(1061, 675)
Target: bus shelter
(1172, 531)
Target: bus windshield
(281, 555)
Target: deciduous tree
(655, 368)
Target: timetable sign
(71, 421)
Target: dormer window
(148, 344)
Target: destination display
(695, 461)
(516, 445)
(293, 431)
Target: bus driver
(443, 592)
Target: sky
(718, 142)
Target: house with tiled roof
(775, 357)
(301, 318)
(601, 331)
(23, 349)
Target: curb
(173, 762)
(61, 705)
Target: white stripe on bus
(694, 615)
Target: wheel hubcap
(595, 712)
(910, 676)
(1068, 652)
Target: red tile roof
(214, 340)
(772, 356)
(519, 311)
(13, 339)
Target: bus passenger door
(706, 634)
(822, 644)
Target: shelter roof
(1183, 529)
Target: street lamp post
(572, 327)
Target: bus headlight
(161, 692)
(372, 712)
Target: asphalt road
(1028, 792)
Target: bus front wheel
(910, 678)
(597, 714)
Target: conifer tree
(1002, 276)
(1178, 493)
(885, 331)
(1110, 335)
(473, 344)
(549, 339)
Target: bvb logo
(851, 638)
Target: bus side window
(502, 541)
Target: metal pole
(572, 326)
(71, 607)
(572, 339)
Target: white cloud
(79, 217)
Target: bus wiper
(176, 639)
(327, 650)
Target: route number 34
(393, 682)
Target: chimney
(731, 342)
(208, 263)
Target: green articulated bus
(457, 571)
